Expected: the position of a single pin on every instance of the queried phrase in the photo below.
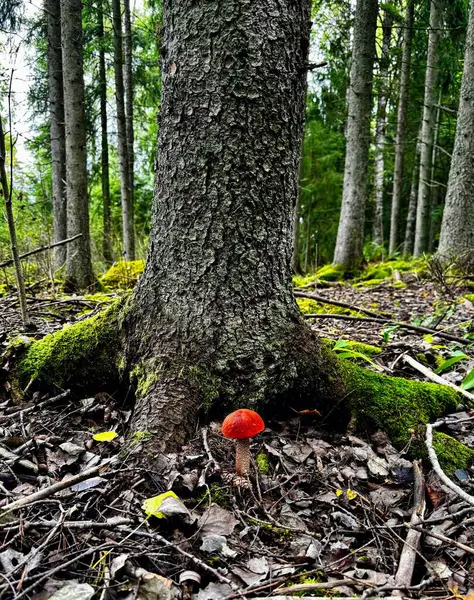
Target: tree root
(298, 372)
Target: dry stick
(62, 566)
(57, 487)
(323, 300)
(195, 559)
(13, 458)
(325, 585)
(437, 468)
(443, 538)
(418, 328)
(7, 196)
(434, 377)
(408, 555)
(10, 261)
(40, 405)
(108, 524)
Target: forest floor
(323, 514)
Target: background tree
(128, 227)
(350, 235)
(400, 138)
(78, 265)
(57, 132)
(457, 230)
(428, 127)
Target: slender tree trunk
(296, 220)
(400, 137)
(350, 235)
(78, 264)
(128, 85)
(435, 191)
(6, 192)
(379, 166)
(457, 229)
(222, 311)
(57, 133)
(107, 249)
(409, 241)
(428, 127)
(127, 208)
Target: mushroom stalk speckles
(242, 425)
(242, 457)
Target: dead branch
(382, 321)
(17, 414)
(409, 552)
(439, 471)
(434, 377)
(9, 262)
(57, 487)
(443, 538)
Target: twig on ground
(437, 468)
(325, 585)
(434, 377)
(443, 538)
(382, 321)
(13, 458)
(211, 460)
(16, 415)
(56, 487)
(194, 559)
(408, 555)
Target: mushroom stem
(242, 456)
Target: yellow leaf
(105, 436)
(351, 494)
(151, 505)
(339, 492)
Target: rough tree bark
(457, 229)
(128, 85)
(350, 235)
(379, 162)
(428, 127)
(127, 208)
(107, 249)
(57, 133)
(400, 137)
(78, 263)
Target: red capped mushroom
(242, 425)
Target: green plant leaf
(468, 381)
(455, 358)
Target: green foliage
(263, 464)
(308, 306)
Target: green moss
(369, 282)
(216, 494)
(144, 375)
(399, 285)
(398, 406)
(308, 307)
(452, 454)
(281, 533)
(302, 280)
(123, 275)
(469, 297)
(206, 385)
(86, 353)
(263, 464)
(366, 349)
(331, 273)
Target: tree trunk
(409, 240)
(127, 208)
(400, 137)
(78, 263)
(216, 291)
(435, 191)
(350, 235)
(379, 166)
(428, 127)
(457, 229)
(128, 85)
(57, 133)
(107, 249)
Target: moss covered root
(399, 406)
(84, 355)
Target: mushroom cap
(242, 424)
